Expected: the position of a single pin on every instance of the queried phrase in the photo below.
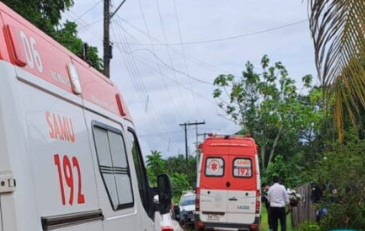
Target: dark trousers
(277, 214)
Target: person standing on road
(278, 198)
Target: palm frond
(338, 31)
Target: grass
(264, 226)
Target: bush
(341, 173)
(308, 226)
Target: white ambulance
(69, 154)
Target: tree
(337, 28)
(68, 37)
(267, 105)
(177, 164)
(155, 166)
(175, 167)
(289, 175)
(180, 184)
(46, 15)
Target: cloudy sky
(167, 54)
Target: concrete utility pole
(106, 42)
(108, 48)
(185, 125)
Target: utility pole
(185, 125)
(108, 48)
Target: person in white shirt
(278, 198)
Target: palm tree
(338, 31)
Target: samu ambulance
(228, 195)
(69, 154)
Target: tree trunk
(262, 153)
(275, 143)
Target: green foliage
(308, 226)
(155, 166)
(286, 170)
(343, 169)
(67, 36)
(268, 105)
(46, 15)
(180, 184)
(175, 166)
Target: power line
(231, 37)
(180, 36)
(161, 43)
(142, 60)
(176, 108)
(169, 54)
(157, 63)
(172, 68)
(87, 11)
(99, 37)
(140, 87)
(90, 24)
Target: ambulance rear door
(242, 192)
(213, 188)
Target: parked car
(187, 208)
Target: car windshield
(188, 200)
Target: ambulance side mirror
(164, 193)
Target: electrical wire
(168, 51)
(87, 11)
(140, 86)
(99, 37)
(172, 68)
(169, 54)
(161, 43)
(231, 37)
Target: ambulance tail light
(200, 224)
(254, 227)
(258, 202)
(167, 228)
(197, 200)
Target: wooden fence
(305, 210)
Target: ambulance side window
(113, 166)
(214, 167)
(143, 184)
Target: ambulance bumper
(228, 226)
